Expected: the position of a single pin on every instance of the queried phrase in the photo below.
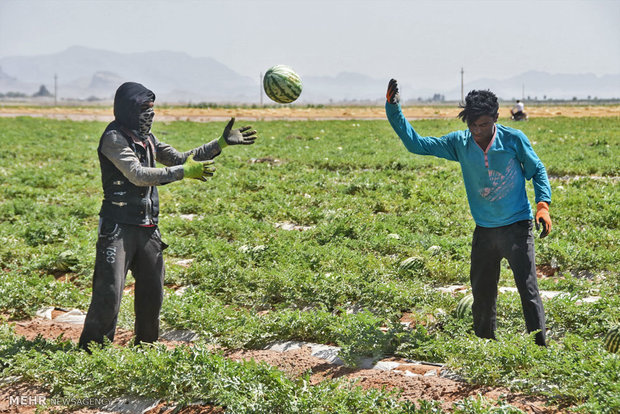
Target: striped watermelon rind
(66, 261)
(612, 340)
(463, 309)
(282, 84)
(411, 263)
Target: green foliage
(361, 337)
(362, 204)
(482, 405)
(558, 371)
(183, 374)
(21, 295)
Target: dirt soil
(293, 363)
(298, 113)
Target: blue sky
(422, 42)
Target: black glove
(238, 136)
(392, 95)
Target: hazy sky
(422, 42)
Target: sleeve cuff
(222, 143)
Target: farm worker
(518, 111)
(129, 238)
(495, 162)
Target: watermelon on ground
(463, 309)
(612, 340)
(66, 261)
(411, 263)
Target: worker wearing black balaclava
(145, 120)
(129, 237)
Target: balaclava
(133, 107)
(145, 121)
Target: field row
(308, 224)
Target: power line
(260, 87)
(462, 90)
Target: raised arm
(439, 147)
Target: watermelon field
(301, 237)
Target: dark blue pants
(514, 242)
(123, 247)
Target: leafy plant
(359, 204)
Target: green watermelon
(66, 261)
(612, 340)
(463, 309)
(411, 263)
(282, 84)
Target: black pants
(514, 242)
(123, 247)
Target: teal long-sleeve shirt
(494, 179)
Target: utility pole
(523, 92)
(55, 89)
(260, 87)
(462, 90)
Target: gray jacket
(115, 147)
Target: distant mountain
(177, 77)
(539, 85)
(11, 84)
(351, 86)
(5, 77)
(83, 72)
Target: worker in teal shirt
(495, 162)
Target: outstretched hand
(393, 95)
(200, 170)
(242, 136)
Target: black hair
(477, 104)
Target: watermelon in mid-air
(282, 84)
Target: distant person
(518, 111)
(495, 162)
(129, 238)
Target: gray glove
(239, 136)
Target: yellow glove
(200, 170)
